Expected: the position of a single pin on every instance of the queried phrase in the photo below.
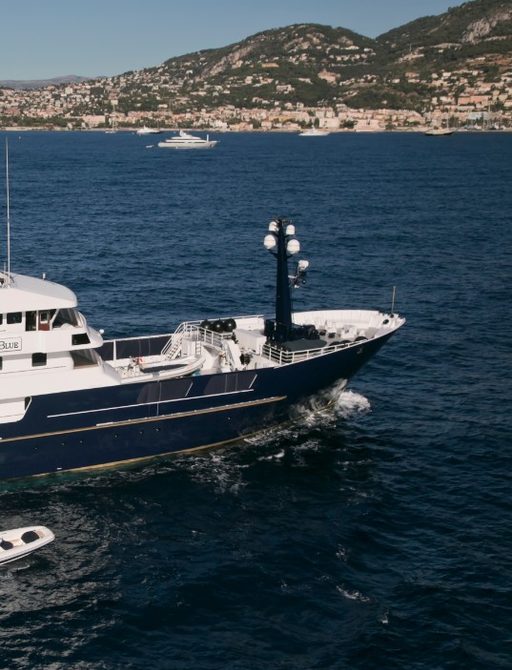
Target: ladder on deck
(173, 346)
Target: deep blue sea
(377, 535)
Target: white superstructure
(46, 344)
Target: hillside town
(313, 79)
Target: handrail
(116, 341)
(284, 357)
(137, 337)
(174, 342)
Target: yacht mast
(8, 204)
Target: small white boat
(21, 542)
(186, 141)
(314, 132)
(439, 132)
(148, 131)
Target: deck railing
(283, 357)
(192, 331)
(119, 341)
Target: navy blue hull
(99, 427)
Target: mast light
(269, 242)
(293, 247)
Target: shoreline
(340, 131)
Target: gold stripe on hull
(141, 459)
(153, 419)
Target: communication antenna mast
(8, 203)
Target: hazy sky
(48, 38)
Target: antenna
(8, 202)
(393, 301)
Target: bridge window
(30, 320)
(15, 317)
(38, 360)
(65, 316)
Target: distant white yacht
(314, 132)
(439, 132)
(148, 131)
(186, 141)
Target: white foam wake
(319, 411)
(350, 403)
(333, 403)
(353, 594)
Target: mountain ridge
(28, 84)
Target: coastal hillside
(444, 55)
(304, 62)
(457, 65)
(320, 65)
(470, 30)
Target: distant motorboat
(186, 141)
(439, 132)
(20, 542)
(148, 131)
(314, 132)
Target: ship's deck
(193, 349)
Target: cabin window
(1, 363)
(38, 360)
(15, 317)
(30, 320)
(1, 319)
(65, 316)
(80, 338)
(84, 358)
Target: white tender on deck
(193, 349)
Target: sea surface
(377, 535)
